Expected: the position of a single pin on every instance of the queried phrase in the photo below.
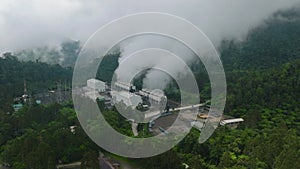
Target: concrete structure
(93, 95)
(129, 99)
(152, 95)
(97, 85)
(197, 124)
(124, 86)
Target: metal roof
(228, 121)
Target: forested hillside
(271, 44)
(263, 77)
(270, 136)
(36, 75)
(263, 87)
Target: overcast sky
(33, 23)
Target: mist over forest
(258, 43)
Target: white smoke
(35, 23)
(155, 79)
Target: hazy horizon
(33, 23)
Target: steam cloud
(34, 23)
(155, 79)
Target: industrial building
(231, 122)
(129, 99)
(93, 89)
(124, 86)
(96, 85)
(93, 95)
(152, 95)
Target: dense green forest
(263, 76)
(269, 138)
(36, 75)
(271, 44)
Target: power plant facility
(129, 99)
(146, 100)
(124, 86)
(153, 95)
(122, 90)
(93, 95)
(96, 85)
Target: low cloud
(33, 23)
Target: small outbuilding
(231, 122)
